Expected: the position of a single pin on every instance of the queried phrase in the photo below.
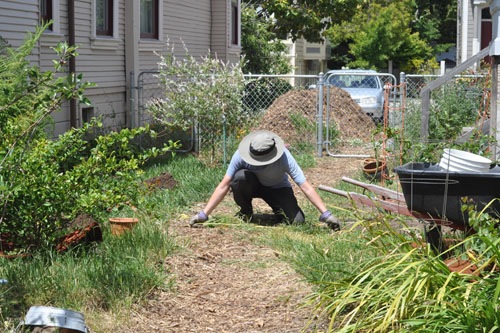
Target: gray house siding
(109, 62)
(185, 23)
(18, 17)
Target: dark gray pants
(246, 186)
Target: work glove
(198, 218)
(330, 220)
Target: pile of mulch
(350, 120)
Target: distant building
(308, 58)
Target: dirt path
(223, 282)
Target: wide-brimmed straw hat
(261, 148)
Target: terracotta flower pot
(374, 169)
(119, 225)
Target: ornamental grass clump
(408, 288)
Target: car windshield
(354, 81)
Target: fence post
(320, 116)
(494, 109)
(425, 107)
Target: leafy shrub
(45, 183)
(454, 106)
(204, 93)
(407, 288)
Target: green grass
(366, 277)
(118, 272)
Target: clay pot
(461, 266)
(119, 225)
(374, 169)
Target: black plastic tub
(429, 189)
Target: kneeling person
(260, 169)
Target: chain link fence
(458, 114)
(335, 114)
(149, 87)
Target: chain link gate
(354, 104)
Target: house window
(46, 12)
(149, 19)
(104, 17)
(235, 35)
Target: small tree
(204, 93)
(263, 51)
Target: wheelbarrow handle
(378, 190)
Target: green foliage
(204, 93)
(46, 183)
(315, 256)
(263, 51)
(453, 107)
(436, 22)
(119, 270)
(60, 179)
(307, 19)
(410, 33)
(407, 288)
(29, 96)
(382, 33)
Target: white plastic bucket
(55, 317)
(462, 161)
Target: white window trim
(105, 42)
(56, 8)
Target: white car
(364, 86)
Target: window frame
(235, 19)
(155, 19)
(48, 14)
(53, 14)
(109, 17)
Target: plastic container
(455, 160)
(429, 189)
(55, 317)
(459, 166)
